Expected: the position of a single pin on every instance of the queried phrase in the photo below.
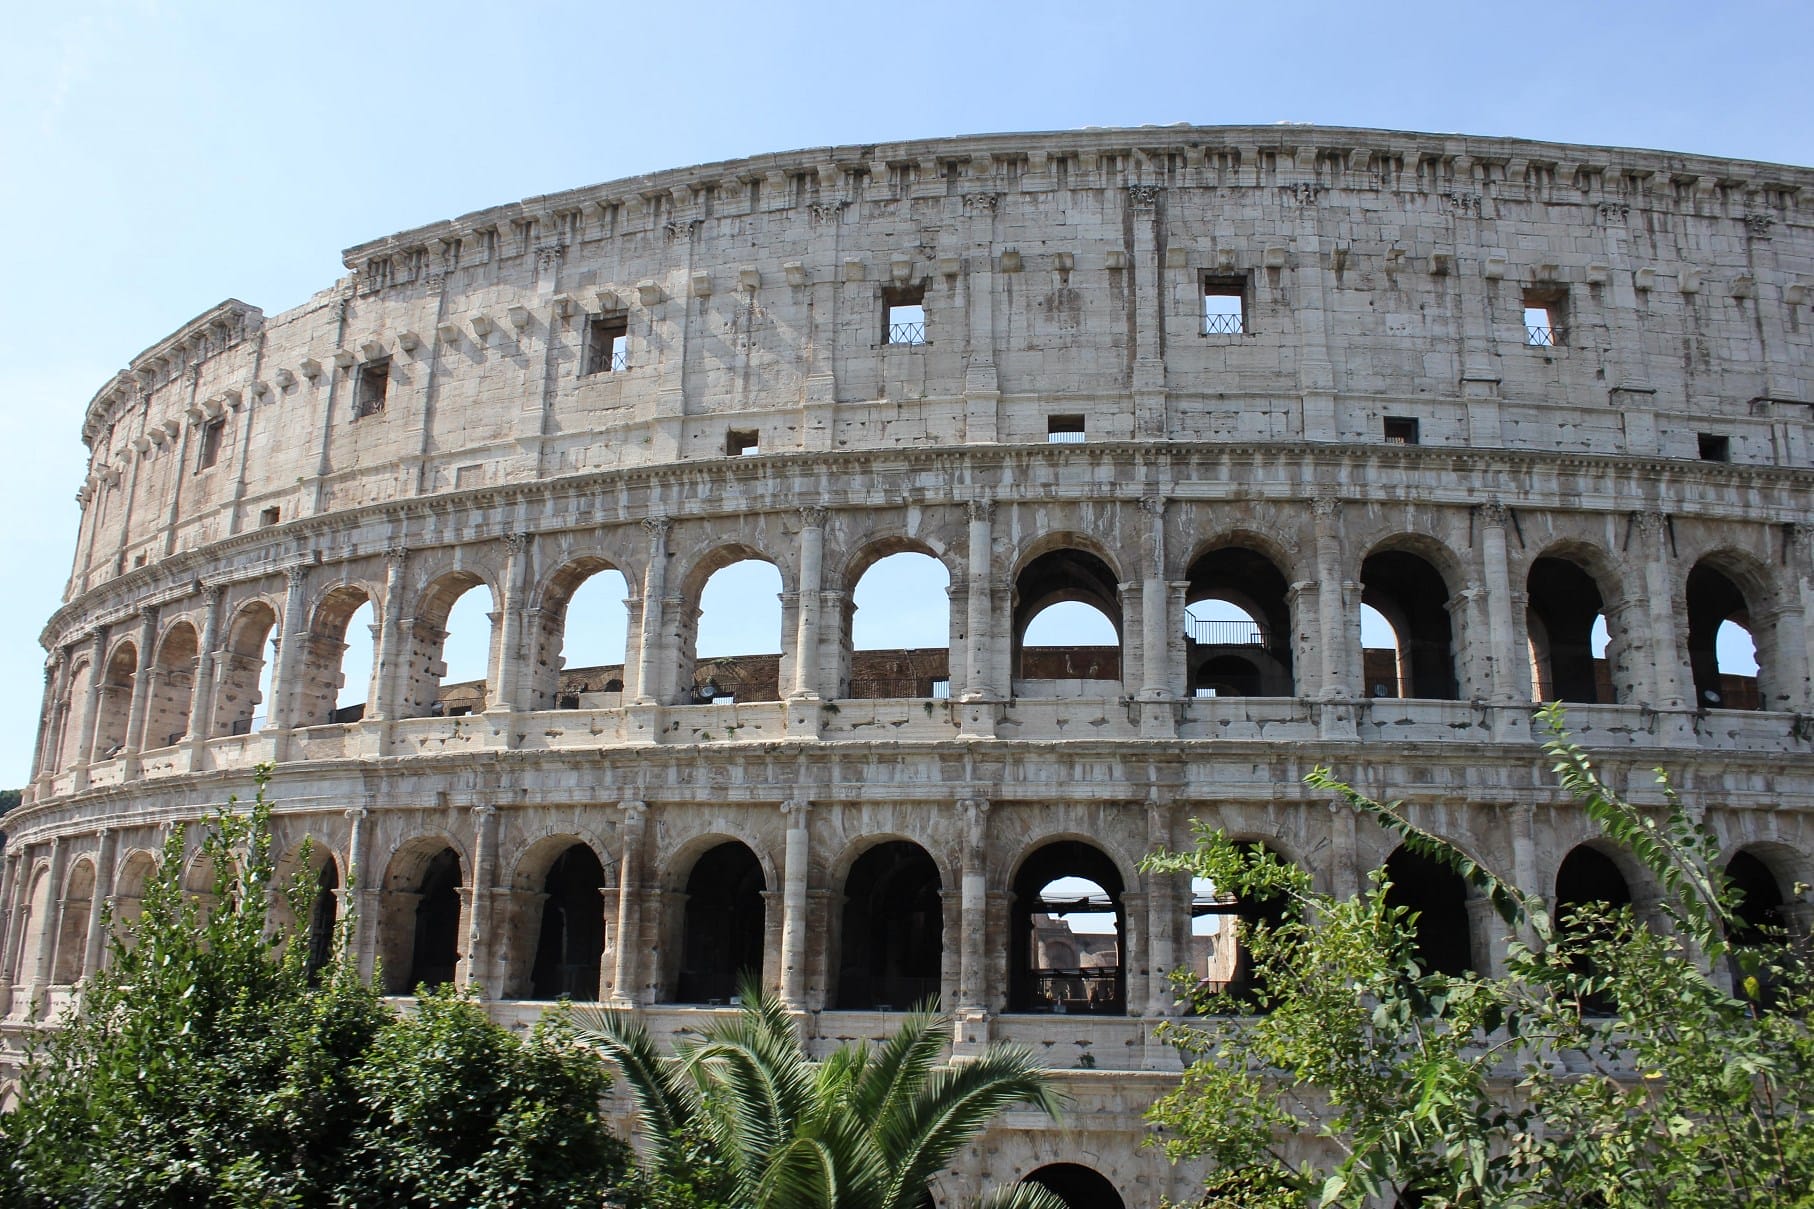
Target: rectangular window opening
(1401, 430)
(268, 517)
(740, 443)
(374, 384)
(1224, 306)
(1064, 430)
(607, 344)
(904, 314)
(209, 453)
(941, 690)
(1714, 447)
(1544, 319)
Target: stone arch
(717, 923)
(421, 909)
(548, 619)
(1771, 912)
(114, 707)
(1256, 660)
(909, 672)
(890, 938)
(322, 881)
(1591, 876)
(69, 738)
(1062, 569)
(561, 919)
(1723, 586)
(137, 868)
(1567, 586)
(1220, 956)
(34, 932)
(1078, 1186)
(425, 636)
(241, 667)
(76, 909)
(1402, 579)
(752, 679)
(1097, 983)
(323, 671)
(1442, 933)
(172, 686)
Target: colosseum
(1358, 443)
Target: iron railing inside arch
(1224, 633)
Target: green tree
(208, 1065)
(1610, 1066)
(741, 1116)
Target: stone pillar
(387, 673)
(1162, 910)
(362, 896)
(806, 636)
(478, 917)
(201, 695)
(42, 755)
(979, 642)
(9, 942)
(507, 694)
(143, 684)
(654, 589)
(794, 924)
(1666, 654)
(626, 990)
(972, 977)
(1338, 629)
(91, 702)
(1508, 675)
(1155, 628)
(53, 923)
(96, 941)
(280, 712)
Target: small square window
(1224, 306)
(1545, 320)
(607, 344)
(1064, 430)
(268, 517)
(1203, 692)
(1714, 447)
(739, 443)
(209, 453)
(1401, 430)
(941, 690)
(374, 384)
(904, 314)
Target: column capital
(1650, 524)
(1153, 505)
(1494, 513)
(981, 510)
(211, 593)
(635, 811)
(516, 543)
(296, 574)
(148, 615)
(795, 811)
(657, 527)
(1326, 507)
(813, 516)
(356, 814)
(396, 555)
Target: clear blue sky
(156, 158)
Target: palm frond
(901, 1066)
(663, 1096)
(955, 1104)
(1022, 1196)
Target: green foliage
(207, 1065)
(741, 1116)
(9, 798)
(1609, 1066)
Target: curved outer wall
(1657, 439)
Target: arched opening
(1411, 597)
(1722, 650)
(449, 643)
(1077, 1186)
(893, 934)
(1437, 897)
(723, 926)
(338, 662)
(1221, 926)
(115, 706)
(733, 642)
(1067, 627)
(172, 687)
(1589, 888)
(421, 917)
(900, 629)
(129, 894)
(324, 916)
(1068, 933)
(69, 733)
(582, 638)
(1237, 626)
(569, 950)
(32, 937)
(243, 676)
(72, 933)
(1566, 623)
(1762, 927)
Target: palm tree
(862, 1130)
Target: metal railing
(1077, 992)
(907, 333)
(1064, 438)
(1230, 323)
(1223, 633)
(1538, 336)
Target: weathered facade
(1497, 391)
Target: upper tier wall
(1063, 274)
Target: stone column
(361, 896)
(91, 702)
(9, 942)
(1508, 675)
(654, 588)
(1155, 628)
(1802, 685)
(979, 643)
(96, 940)
(201, 694)
(387, 678)
(1338, 629)
(478, 917)
(507, 694)
(144, 684)
(794, 924)
(42, 755)
(972, 977)
(806, 637)
(626, 991)
(281, 710)
(1659, 589)
(1162, 911)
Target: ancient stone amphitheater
(1542, 411)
